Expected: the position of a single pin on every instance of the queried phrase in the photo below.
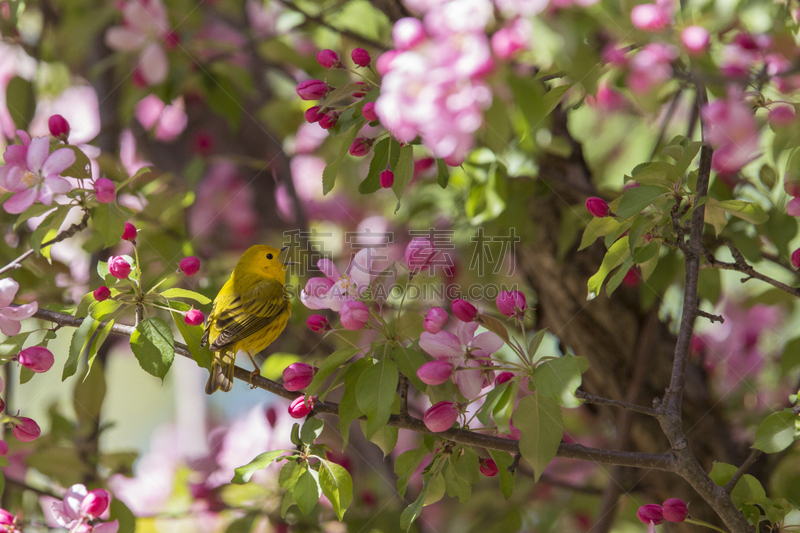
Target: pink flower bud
(26, 430)
(105, 190)
(503, 377)
(488, 467)
(781, 115)
(101, 293)
(793, 207)
(440, 417)
(360, 146)
(59, 127)
(171, 40)
(272, 416)
(632, 277)
(360, 57)
(435, 320)
(3, 449)
(384, 63)
(194, 317)
(312, 89)
(328, 121)
(796, 258)
(36, 358)
(650, 17)
(511, 303)
(190, 265)
(328, 59)
(313, 114)
(203, 142)
(509, 40)
(435, 372)
(387, 178)
(650, 513)
(675, 510)
(407, 33)
(95, 503)
(464, 311)
(419, 253)
(354, 315)
(6, 518)
(695, 39)
(597, 207)
(119, 267)
(368, 112)
(129, 233)
(297, 376)
(298, 407)
(318, 324)
(363, 89)
(615, 55)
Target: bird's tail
(221, 376)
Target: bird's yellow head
(263, 260)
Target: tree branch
(67, 233)
(597, 400)
(657, 461)
(740, 264)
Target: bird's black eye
(269, 256)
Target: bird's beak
(287, 263)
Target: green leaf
(311, 430)
(192, 336)
(289, 474)
(639, 227)
(405, 465)
(455, 485)
(505, 407)
(408, 361)
(47, 229)
(33, 211)
(25, 375)
(307, 491)
(503, 461)
(89, 395)
(747, 490)
(348, 406)
(328, 366)
(80, 339)
(102, 310)
(177, 292)
(337, 486)
(340, 93)
(82, 168)
(403, 172)
(330, 172)
(443, 173)
(222, 96)
(559, 379)
(21, 102)
(379, 163)
(485, 412)
(750, 212)
(98, 341)
(553, 97)
(636, 199)
(535, 343)
(790, 358)
(153, 345)
(385, 438)
(618, 252)
(596, 228)
(375, 393)
(243, 474)
(776, 432)
(109, 221)
(539, 421)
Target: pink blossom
(129, 233)
(95, 503)
(36, 358)
(299, 409)
(650, 17)
(419, 254)
(297, 376)
(651, 512)
(441, 416)
(512, 38)
(675, 510)
(80, 505)
(79, 106)
(360, 57)
(782, 115)
(328, 59)
(435, 319)
(435, 372)
(194, 317)
(169, 121)
(461, 350)
(105, 190)
(312, 89)
(101, 293)
(695, 39)
(190, 265)
(521, 8)
(354, 315)
(145, 26)
(793, 207)
(3, 449)
(511, 303)
(26, 429)
(386, 178)
(597, 207)
(503, 377)
(607, 98)
(651, 67)
(464, 311)
(127, 153)
(407, 33)
(488, 467)
(119, 267)
(318, 324)
(368, 111)
(58, 126)
(33, 173)
(360, 147)
(313, 114)
(10, 317)
(732, 130)
(332, 291)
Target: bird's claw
(253, 374)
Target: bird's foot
(253, 374)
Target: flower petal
(470, 382)
(124, 39)
(73, 499)
(15, 154)
(442, 344)
(487, 342)
(329, 269)
(8, 289)
(9, 328)
(107, 527)
(154, 64)
(20, 313)
(466, 331)
(20, 201)
(58, 162)
(361, 268)
(37, 153)
(11, 178)
(313, 295)
(336, 297)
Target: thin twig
(597, 400)
(67, 233)
(657, 461)
(711, 317)
(673, 105)
(740, 264)
(321, 21)
(752, 458)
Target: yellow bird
(250, 311)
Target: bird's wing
(249, 313)
(223, 300)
